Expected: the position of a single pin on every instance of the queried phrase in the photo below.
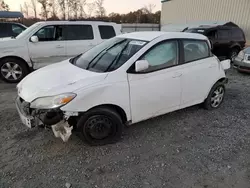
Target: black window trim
(131, 69)
(182, 49)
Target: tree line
(82, 10)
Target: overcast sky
(119, 6)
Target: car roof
(151, 35)
(77, 22)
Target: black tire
(208, 102)
(233, 53)
(10, 63)
(103, 118)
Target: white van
(49, 42)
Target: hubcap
(99, 127)
(11, 71)
(217, 97)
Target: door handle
(59, 46)
(211, 66)
(177, 75)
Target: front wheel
(13, 70)
(233, 54)
(100, 126)
(215, 97)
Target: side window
(237, 34)
(162, 55)
(212, 34)
(50, 33)
(80, 32)
(3, 30)
(195, 50)
(106, 32)
(16, 29)
(224, 34)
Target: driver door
(157, 90)
(51, 47)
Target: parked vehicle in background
(125, 80)
(50, 42)
(227, 41)
(11, 29)
(242, 61)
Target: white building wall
(186, 11)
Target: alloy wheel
(217, 96)
(11, 71)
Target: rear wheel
(13, 70)
(215, 97)
(100, 126)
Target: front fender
(113, 93)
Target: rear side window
(237, 34)
(79, 32)
(106, 31)
(224, 34)
(195, 50)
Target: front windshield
(109, 55)
(29, 29)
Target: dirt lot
(188, 148)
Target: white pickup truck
(50, 42)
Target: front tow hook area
(62, 130)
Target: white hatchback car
(124, 80)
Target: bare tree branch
(26, 9)
(34, 7)
(90, 9)
(100, 10)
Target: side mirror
(226, 64)
(141, 65)
(34, 39)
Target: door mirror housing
(34, 39)
(141, 65)
(226, 64)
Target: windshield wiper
(102, 52)
(117, 58)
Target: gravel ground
(188, 148)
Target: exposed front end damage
(56, 119)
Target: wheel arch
(18, 58)
(222, 80)
(117, 108)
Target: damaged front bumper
(35, 117)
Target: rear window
(237, 33)
(79, 32)
(106, 31)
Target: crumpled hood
(56, 79)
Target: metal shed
(191, 11)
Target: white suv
(49, 42)
(124, 80)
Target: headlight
(241, 54)
(52, 101)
